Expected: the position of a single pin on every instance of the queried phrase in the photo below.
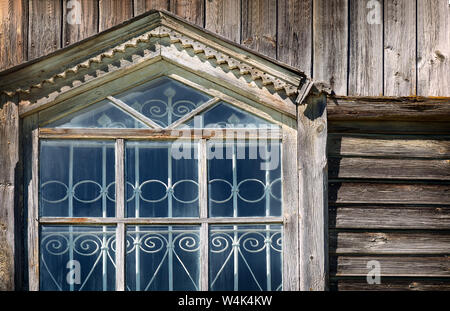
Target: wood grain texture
(391, 266)
(406, 169)
(88, 26)
(113, 12)
(392, 284)
(366, 48)
(13, 32)
(259, 26)
(390, 243)
(191, 10)
(389, 217)
(389, 127)
(388, 193)
(33, 215)
(388, 108)
(9, 158)
(44, 33)
(142, 6)
(224, 18)
(295, 34)
(392, 146)
(400, 48)
(313, 204)
(433, 48)
(330, 28)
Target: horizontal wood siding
(361, 48)
(389, 201)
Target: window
(163, 187)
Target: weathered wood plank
(391, 284)
(44, 32)
(113, 12)
(364, 168)
(387, 193)
(382, 108)
(330, 29)
(366, 48)
(389, 146)
(13, 30)
(80, 20)
(433, 48)
(400, 48)
(313, 205)
(259, 26)
(389, 217)
(142, 6)
(224, 18)
(295, 34)
(387, 108)
(291, 247)
(33, 215)
(389, 127)
(191, 10)
(390, 243)
(9, 157)
(391, 266)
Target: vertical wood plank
(330, 29)
(142, 6)
(313, 204)
(291, 273)
(191, 10)
(9, 157)
(224, 18)
(366, 48)
(113, 12)
(44, 34)
(13, 32)
(295, 34)
(87, 25)
(433, 48)
(120, 213)
(400, 48)
(259, 26)
(33, 225)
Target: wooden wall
(406, 54)
(389, 189)
(389, 195)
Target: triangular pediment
(148, 40)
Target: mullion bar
(120, 214)
(203, 205)
(104, 214)
(137, 214)
(159, 134)
(161, 221)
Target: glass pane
(163, 100)
(76, 258)
(244, 179)
(160, 181)
(163, 258)
(245, 258)
(77, 179)
(224, 115)
(100, 115)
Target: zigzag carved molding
(186, 42)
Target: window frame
(289, 218)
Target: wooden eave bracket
(310, 87)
